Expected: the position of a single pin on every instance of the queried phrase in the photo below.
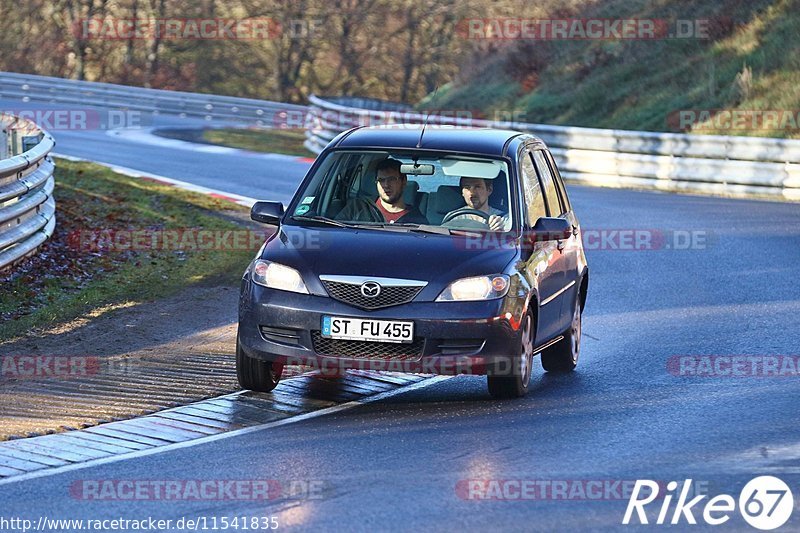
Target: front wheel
(516, 385)
(254, 374)
(563, 356)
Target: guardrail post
(13, 142)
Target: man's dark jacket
(357, 210)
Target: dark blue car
(442, 250)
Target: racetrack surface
(402, 463)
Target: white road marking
(146, 136)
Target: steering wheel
(374, 213)
(466, 211)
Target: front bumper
(450, 337)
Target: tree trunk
(155, 45)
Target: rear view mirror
(416, 170)
(550, 229)
(267, 212)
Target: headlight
(277, 276)
(477, 288)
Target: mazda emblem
(370, 289)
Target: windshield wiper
(339, 224)
(324, 220)
(382, 226)
(440, 230)
(429, 228)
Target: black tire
(516, 385)
(563, 356)
(254, 374)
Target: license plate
(367, 329)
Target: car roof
(488, 141)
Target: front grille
(350, 293)
(380, 351)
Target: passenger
(390, 203)
(476, 192)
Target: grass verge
(87, 266)
(289, 142)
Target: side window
(562, 191)
(550, 193)
(534, 201)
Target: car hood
(436, 259)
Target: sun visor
(474, 169)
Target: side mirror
(550, 229)
(267, 212)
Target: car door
(573, 250)
(541, 266)
(564, 264)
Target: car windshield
(442, 193)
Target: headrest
(448, 198)
(499, 197)
(410, 193)
(368, 187)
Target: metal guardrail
(27, 207)
(28, 87)
(711, 164)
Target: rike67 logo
(765, 503)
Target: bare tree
(72, 16)
(158, 10)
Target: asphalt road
(403, 463)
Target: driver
(390, 204)
(476, 192)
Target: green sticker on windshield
(307, 200)
(302, 210)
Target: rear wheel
(255, 374)
(563, 356)
(516, 385)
